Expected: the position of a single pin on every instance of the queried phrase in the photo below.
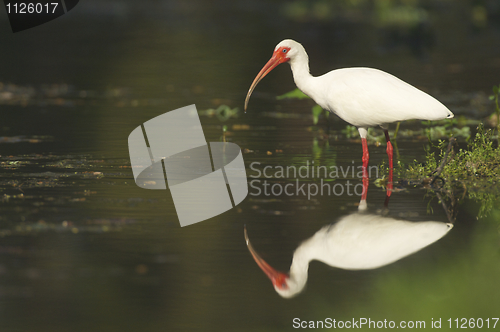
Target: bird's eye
(283, 285)
(285, 50)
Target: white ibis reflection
(364, 97)
(358, 241)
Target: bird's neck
(300, 70)
(299, 268)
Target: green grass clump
(475, 169)
(478, 163)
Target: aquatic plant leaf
(294, 94)
(316, 111)
(223, 112)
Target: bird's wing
(370, 97)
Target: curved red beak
(277, 278)
(277, 58)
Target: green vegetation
(480, 160)
(473, 170)
(223, 112)
(294, 94)
(435, 130)
(400, 13)
(297, 94)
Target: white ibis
(357, 241)
(364, 97)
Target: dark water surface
(82, 248)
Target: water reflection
(358, 241)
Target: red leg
(365, 159)
(390, 155)
(366, 156)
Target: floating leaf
(294, 94)
(223, 112)
(316, 111)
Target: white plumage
(367, 97)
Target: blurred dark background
(89, 251)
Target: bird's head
(286, 50)
(293, 49)
(282, 283)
